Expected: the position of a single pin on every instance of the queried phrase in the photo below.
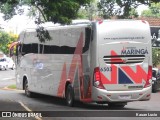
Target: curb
(6, 88)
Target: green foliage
(5, 40)
(153, 11)
(57, 11)
(12, 86)
(90, 11)
(82, 14)
(155, 56)
(120, 8)
(8, 8)
(133, 13)
(146, 13)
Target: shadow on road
(78, 105)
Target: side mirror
(11, 48)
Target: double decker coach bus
(107, 61)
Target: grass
(12, 86)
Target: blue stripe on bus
(123, 78)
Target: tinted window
(29, 48)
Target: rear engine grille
(124, 59)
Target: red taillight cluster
(149, 77)
(97, 79)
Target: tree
(90, 11)
(133, 13)
(120, 8)
(82, 13)
(153, 11)
(57, 11)
(5, 40)
(155, 56)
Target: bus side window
(88, 38)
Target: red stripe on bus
(76, 58)
(136, 76)
(61, 87)
(113, 79)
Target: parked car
(155, 79)
(11, 64)
(3, 64)
(6, 63)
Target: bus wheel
(27, 92)
(70, 95)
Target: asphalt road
(7, 77)
(15, 100)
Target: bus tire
(69, 96)
(27, 92)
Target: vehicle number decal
(106, 69)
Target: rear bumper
(100, 95)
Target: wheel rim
(69, 98)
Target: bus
(106, 62)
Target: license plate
(125, 97)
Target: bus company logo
(133, 51)
(124, 60)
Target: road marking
(7, 79)
(29, 110)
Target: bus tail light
(149, 77)
(97, 79)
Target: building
(155, 29)
(153, 22)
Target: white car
(6, 63)
(10, 63)
(3, 64)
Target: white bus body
(107, 61)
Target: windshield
(2, 60)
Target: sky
(17, 23)
(20, 22)
(141, 8)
